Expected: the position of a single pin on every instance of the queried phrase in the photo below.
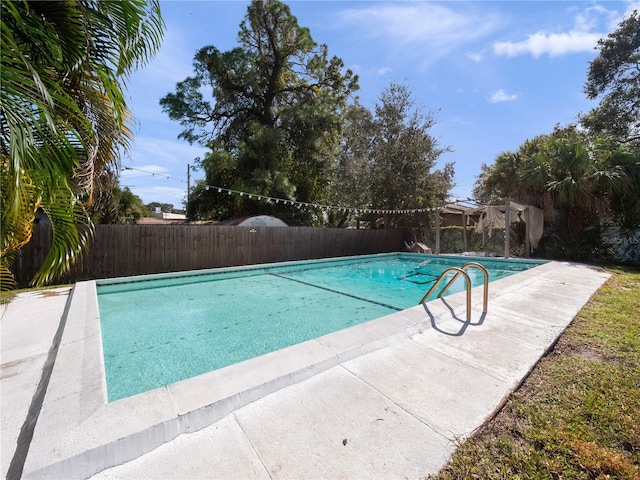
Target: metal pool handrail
(459, 271)
(462, 271)
(485, 299)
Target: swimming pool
(157, 330)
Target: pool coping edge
(78, 405)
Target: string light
(147, 171)
(300, 205)
(325, 208)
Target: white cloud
(590, 25)
(383, 71)
(586, 21)
(461, 121)
(554, 44)
(425, 29)
(174, 60)
(476, 57)
(145, 88)
(501, 96)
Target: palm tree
(572, 179)
(63, 117)
(502, 179)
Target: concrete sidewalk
(27, 327)
(395, 412)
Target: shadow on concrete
(464, 323)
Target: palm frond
(72, 231)
(63, 115)
(7, 280)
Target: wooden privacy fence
(126, 250)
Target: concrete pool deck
(389, 398)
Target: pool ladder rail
(462, 271)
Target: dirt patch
(583, 351)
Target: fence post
(437, 230)
(527, 230)
(465, 243)
(507, 222)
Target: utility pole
(188, 182)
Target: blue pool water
(160, 331)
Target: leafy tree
(624, 203)
(164, 207)
(63, 117)
(387, 160)
(115, 205)
(275, 121)
(500, 180)
(614, 77)
(352, 169)
(403, 155)
(130, 206)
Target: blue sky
(494, 73)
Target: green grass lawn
(577, 416)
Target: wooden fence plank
(128, 250)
